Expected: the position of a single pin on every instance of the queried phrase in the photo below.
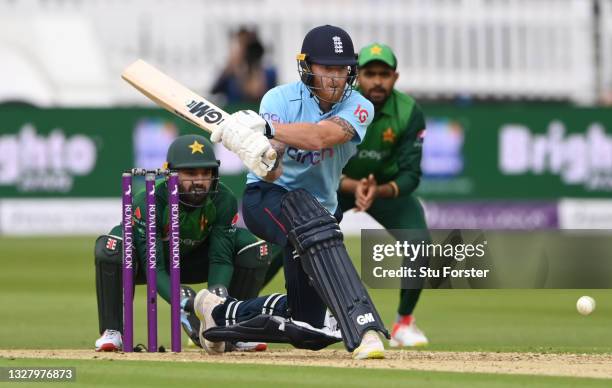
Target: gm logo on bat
(205, 111)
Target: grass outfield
(48, 300)
(165, 374)
(47, 294)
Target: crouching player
(212, 249)
(315, 124)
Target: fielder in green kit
(212, 248)
(381, 178)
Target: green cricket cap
(377, 52)
(191, 151)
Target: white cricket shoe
(205, 302)
(371, 347)
(110, 341)
(407, 335)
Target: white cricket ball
(585, 305)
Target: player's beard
(329, 95)
(377, 95)
(331, 91)
(335, 94)
(195, 196)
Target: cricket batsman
(315, 125)
(382, 177)
(212, 248)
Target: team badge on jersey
(111, 244)
(234, 222)
(361, 114)
(203, 223)
(263, 250)
(388, 136)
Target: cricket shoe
(110, 341)
(371, 347)
(205, 302)
(246, 347)
(189, 320)
(407, 334)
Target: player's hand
(254, 121)
(253, 151)
(231, 134)
(251, 146)
(237, 123)
(372, 192)
(360, 193)
(366, 193)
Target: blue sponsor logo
(310, 157)
(273, 117)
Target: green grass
(92, 373)
(47, 294)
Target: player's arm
(410, 149)
(350, 186)
(348, 124)
(387, 190)
(308, 136)
(315, 136)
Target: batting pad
(317, 238)
(261, 328)
(274, 329)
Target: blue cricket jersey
(318, 171)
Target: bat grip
(271, 154)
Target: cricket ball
(585, 305)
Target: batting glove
(255, 122)
(252, 153)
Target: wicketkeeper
(212, 248)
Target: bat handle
(271, 154)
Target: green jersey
(392, 146)
(213, 223)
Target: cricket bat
(176, 98)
